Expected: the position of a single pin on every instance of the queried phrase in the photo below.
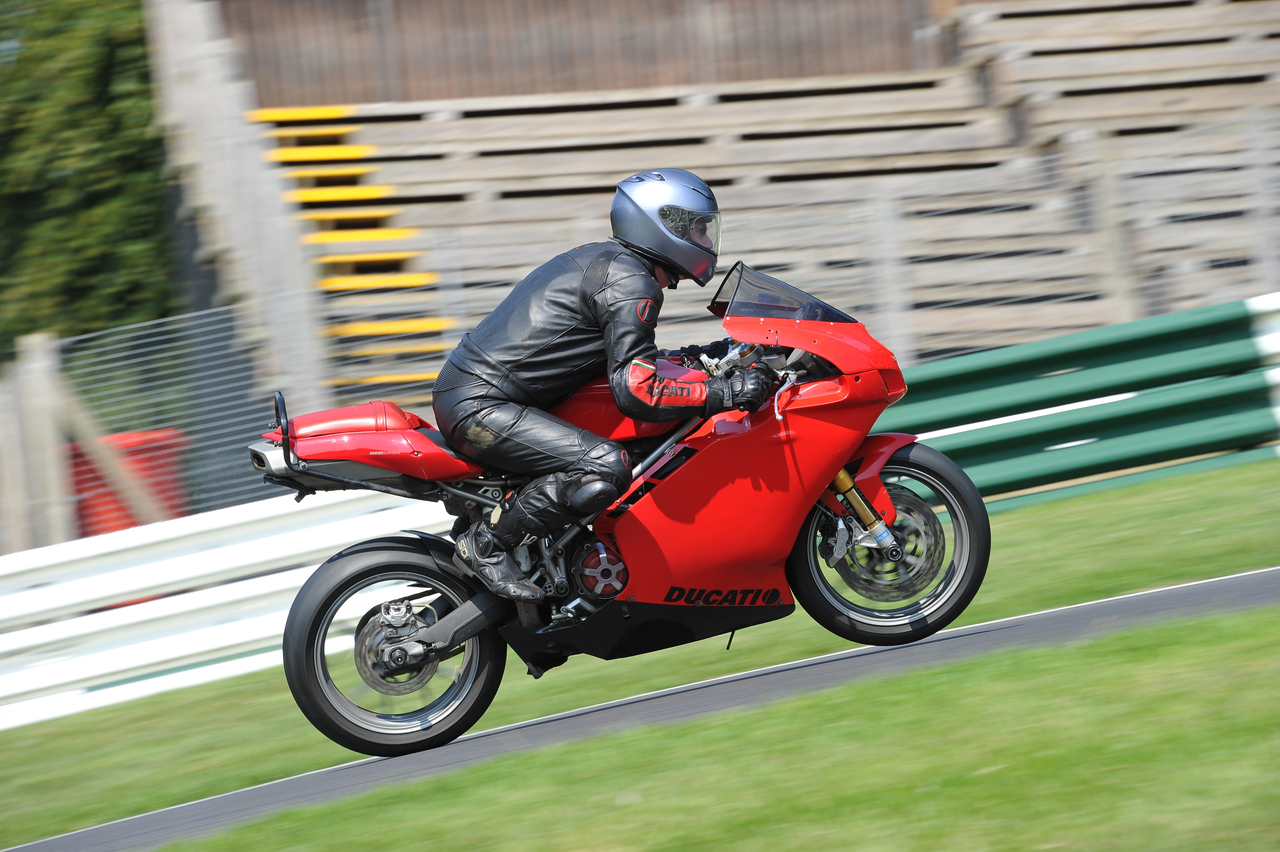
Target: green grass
(171, 748)
(1163, 738)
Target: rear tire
(330, 662)
(943, 528)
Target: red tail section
(380, 434)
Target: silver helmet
(671, 217)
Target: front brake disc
(917, 528)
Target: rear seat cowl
(377, 416)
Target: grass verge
(1162, 738)
(172, 748)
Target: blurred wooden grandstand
(981, 200)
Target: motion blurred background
(202, 202)
(1044, 207)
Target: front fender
(866, 464)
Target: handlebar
(750, 356)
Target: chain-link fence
(177, 398)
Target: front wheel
(331, 661)
(945, 536)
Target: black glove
(718, 348)
(745, 390)
(690, 356)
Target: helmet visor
(699, 229)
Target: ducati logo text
(715, 597)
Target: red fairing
(728, 515)
(376, 433)
(405, 451)
(593, 407)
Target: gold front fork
(871, 522)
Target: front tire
(943, 528)
(330, 654)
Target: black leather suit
(587, 311)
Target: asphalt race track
(209, 816)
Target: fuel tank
(593, 408)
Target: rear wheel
(945, 536)
(331, 644)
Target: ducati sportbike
(391, 647)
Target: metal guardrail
(195, 592)
(1150, 391)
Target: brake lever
(791, 380)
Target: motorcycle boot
(479, 552)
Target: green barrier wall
(1140, 393)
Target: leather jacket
(590, 310)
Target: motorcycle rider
(588, 310)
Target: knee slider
(604, 472)
(609, 462)
(592, 495)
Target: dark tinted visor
(700, 229)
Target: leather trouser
(577, 472)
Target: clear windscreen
(747, 293)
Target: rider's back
(550, 334)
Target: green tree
(83, 236)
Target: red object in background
(153, 459)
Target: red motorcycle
(390, 647)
